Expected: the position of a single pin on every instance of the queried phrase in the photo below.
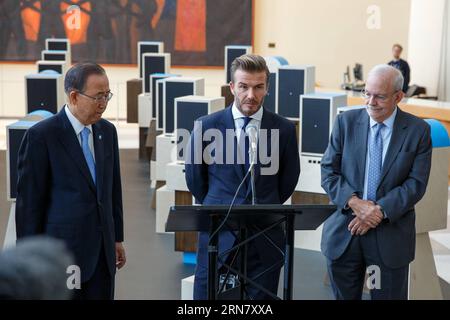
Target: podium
(241, 218)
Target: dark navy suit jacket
(217, 183)
(405, 173)
(57, 196)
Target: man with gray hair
(69, 184)
(35, 269)
(375, 169)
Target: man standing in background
(401, 65)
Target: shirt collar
(76, 124)
(238, 114)
(389, 122)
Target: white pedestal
(10, 235)
(187, 288)
(152, 171)
(144, 110)
(165, 198)
(431, 210)
(310, 175)
(166, 148)
(431, 214)
(175, 176)
(308, 239)
(423, 279)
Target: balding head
(383, 91)
(390, 74)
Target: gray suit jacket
(405, 173)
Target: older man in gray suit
(375, 169)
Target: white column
(425, 43)
(444, 77)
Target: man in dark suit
(401, 65)
(375, 169)
(217, 181)
(69, 182)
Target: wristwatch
(384, 213)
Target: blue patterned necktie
(375, 161)
(87, 151)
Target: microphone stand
(252, 173)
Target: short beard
(237, 103)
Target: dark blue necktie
(244, 137)
(375, 161)
(87, 151)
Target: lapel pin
(99, 137)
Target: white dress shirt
(239, 119)
(78, 127)
(239, 123)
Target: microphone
(252, 132)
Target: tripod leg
(243, 264)
(289, 258)
(213, 280)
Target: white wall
(331, 34)
(444, 77)
(425, 41)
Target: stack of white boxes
(317, 114)
(151, 63)
(191, 108)
(173, 88)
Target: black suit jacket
(57, 196)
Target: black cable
(231, 205)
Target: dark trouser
(100, 286)
(347, 273)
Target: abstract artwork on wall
(107, 31)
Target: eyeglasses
(379, 97)
(100, 98)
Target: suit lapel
(397, 139)
(361, 148)
(99, 155)
(71, 144)
(228, 123)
